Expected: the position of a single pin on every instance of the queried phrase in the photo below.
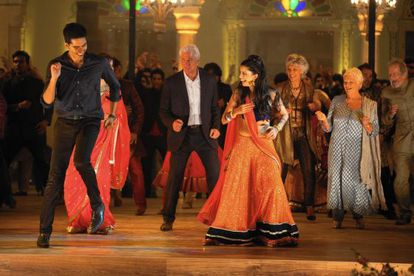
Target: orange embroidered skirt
(252, 206)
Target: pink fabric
(110, 158)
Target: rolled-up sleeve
(109, 76)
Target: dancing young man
(73, 87)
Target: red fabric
(137, 182)
(110, 158)
(155, 130)
(208, 212)
(194, 175)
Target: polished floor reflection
(138, 247)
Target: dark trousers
(151, 143)
(19, 137)
(403, 167)
(5, 189)
(67, 134)
(306, 158)
(194, 141)
(387, 179)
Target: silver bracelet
(228, 117)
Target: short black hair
(408, 60)
(213, 67)
(280, 77)
(116, 63)
(21, 53)
(365, 66)
(73, 30)
(339, 78)
(158, 71)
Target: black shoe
(97, 219)
(166, 226)
(309, 214)
(43, 240)
(20, 193)
(404, 219)
(10, 202)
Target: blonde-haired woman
(354, 159)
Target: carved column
(393, 34)
(187, 25)
(345, 46)
(234, 38)
(233, 48)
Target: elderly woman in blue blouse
(354, 163)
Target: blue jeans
(69, 133)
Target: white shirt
(194, 98)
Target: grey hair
(192, 50)
(354, 73)
(401, 65)
(298, 60)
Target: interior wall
(209, 37)
(275, 45)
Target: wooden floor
(137, 247)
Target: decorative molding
(232, 39)
(393, 36)
(346, 45)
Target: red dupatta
(208, 212)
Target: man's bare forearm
(50, 92)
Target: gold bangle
(278, 128)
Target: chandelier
(382, 7)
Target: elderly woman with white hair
(295, 140)
(354, 165)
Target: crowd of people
(259, 151)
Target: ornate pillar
(234, 38)
(42, 30)
(233, 48)
(393, 36)
(345, 47)
(187, 25)
(88, 15)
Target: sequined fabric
(249, 202)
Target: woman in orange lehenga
(110, 158)
(249, 202)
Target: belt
(75, 117)
(194, 126)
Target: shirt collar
(188, 80)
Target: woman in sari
(110, 158)
(249, 203)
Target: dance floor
(137, 247)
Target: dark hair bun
(256, 59)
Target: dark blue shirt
(78, 89)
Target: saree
(249, 203)
(110, 159)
